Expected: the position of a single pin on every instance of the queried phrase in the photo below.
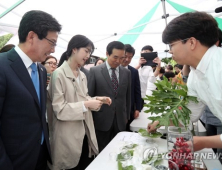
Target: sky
(100, 19)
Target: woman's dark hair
(199, 25)
(39, 22)
(7, 48)
(77, 41)
(43, 63)
(98, 60)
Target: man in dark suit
(112, 80)
(24, 142)
(135, 84)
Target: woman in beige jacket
(72, 134)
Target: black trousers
(142, 103)
(84, 158)
(43, 157)
(104, 137)
(130, 121)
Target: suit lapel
(21, 71)
(106, 75)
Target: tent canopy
(138, 23)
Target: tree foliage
(4, 39)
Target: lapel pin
(41, 69)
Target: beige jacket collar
(69, 74)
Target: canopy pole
(165, 18)
(164, 11)
(11, 8)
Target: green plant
(166, 60)
(4, 39)
(169, 104)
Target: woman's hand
(93, 104)
(104, 100)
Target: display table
(142, 122)
(105, 161)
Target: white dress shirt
(147, 79)
(26, 60)
(205, 82)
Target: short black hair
(169, 67)
(114, 45)
(199, 25)
(162, 70)
(147, 47)
(129, 49)
(169, 75)
(220, 37)
(179, 66)
(39, 22)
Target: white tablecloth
(104, 162)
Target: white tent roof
(99, 20)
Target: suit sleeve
(5, 162)
(63, 109)
(91, 83)
(137, 91)
(128, 96)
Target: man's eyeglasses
(52, 64)
(170, 45)
(53, 44)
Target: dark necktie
(35, 80)
(114, 81)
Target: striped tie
(114, 81)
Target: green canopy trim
(130, 39)
(180, 8)
(183, 9)
(11, 8)
(219, 21)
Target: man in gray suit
(112, 80)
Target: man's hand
(136, 114)
(157, 60)
(198, 143)
(152, 126)
(141, 61)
